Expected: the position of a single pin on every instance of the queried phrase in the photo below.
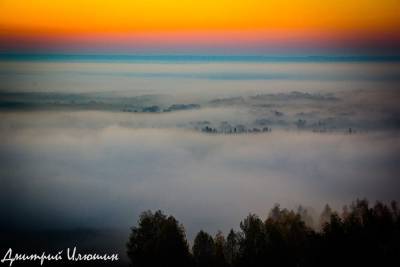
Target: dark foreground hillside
(359, 236)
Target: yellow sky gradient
(121, 16)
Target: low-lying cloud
(103, 177)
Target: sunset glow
(124, 24)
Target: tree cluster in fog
(360, 235)
(311, 111)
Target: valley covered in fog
(93, 144)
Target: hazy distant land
(90, 145)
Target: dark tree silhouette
(305, 216)
(253, 249)
(288, 236)
(219, 241)
(158, 240)
(365, 236)
(360, 236)
(203, 250)
(325, 216)
(232, 248)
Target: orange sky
(199, 19)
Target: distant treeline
(359, 236)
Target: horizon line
(195, 57)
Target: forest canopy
(359, 235)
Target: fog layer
(104, 177)
(93, 144)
